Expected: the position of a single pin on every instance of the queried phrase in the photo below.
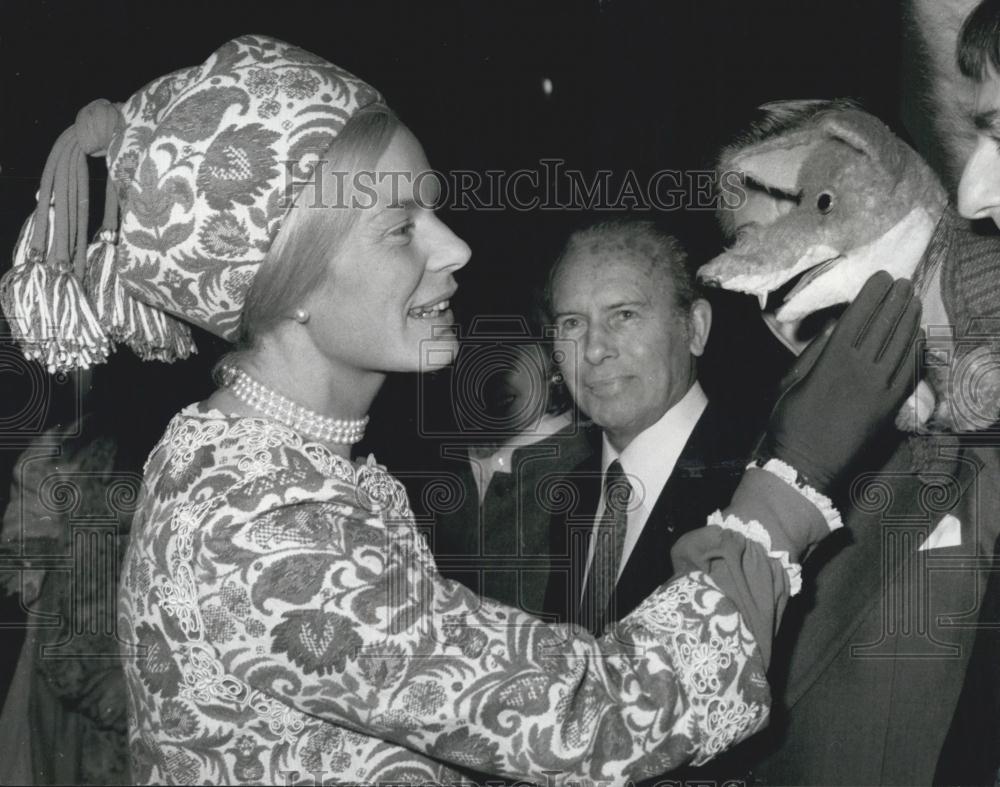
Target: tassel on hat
(151, 333)
(43, 295)
(193, 204)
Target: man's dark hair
(979, 41)
(635, 238)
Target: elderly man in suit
(631, 327)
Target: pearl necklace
(285, 411)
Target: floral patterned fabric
(204, 166)
(290, 624)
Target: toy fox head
(843, 197)
(850, 198)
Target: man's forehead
(609, 259)
(608, 273)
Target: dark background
(636, 85)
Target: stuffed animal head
(845, 192)
(837, 196)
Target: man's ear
(699, 325)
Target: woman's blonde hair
(314, 227)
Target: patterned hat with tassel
(201, 166)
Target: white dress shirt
(648, 462)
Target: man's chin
(609, 416)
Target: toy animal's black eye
(825, 202)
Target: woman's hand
(845, 389)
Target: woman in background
(64, 721)
(72, 497)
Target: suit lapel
(703, 479)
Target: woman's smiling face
(383, 305)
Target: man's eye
(624, 315)
(569, 324)
(403, 230)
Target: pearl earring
(302, 316)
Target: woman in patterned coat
(282, 618)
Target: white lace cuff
(790, 476)
(755, 531)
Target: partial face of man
(633, 349)
(979, 189)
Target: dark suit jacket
(869, 661)
(707, 471)
(971, 752)
(870, 658)
(500, 548)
